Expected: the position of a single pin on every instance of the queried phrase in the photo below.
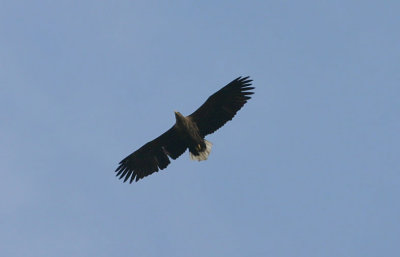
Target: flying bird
(187, 133)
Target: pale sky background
(309, 167)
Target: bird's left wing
(152, 156)
(222, 106)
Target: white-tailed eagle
(187, 133)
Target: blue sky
(309, 167)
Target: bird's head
(179, 117)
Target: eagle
(187, 132)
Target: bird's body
(187, 133)
(198, 147)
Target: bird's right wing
(152, 156)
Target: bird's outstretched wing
(222, 106)
(152, 156)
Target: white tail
(202, 155)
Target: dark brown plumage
(187, 133)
